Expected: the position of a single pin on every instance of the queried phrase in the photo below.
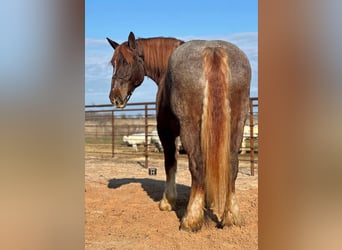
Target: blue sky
(233, 21)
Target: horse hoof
(230, 219)
(165, 205)
(193, 226)
(239, 221)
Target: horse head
(128, 70)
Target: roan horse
(203, 93)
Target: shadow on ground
(155, 189)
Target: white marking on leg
(193, 219)
(196, 209)
(233, 216)
(234, 208)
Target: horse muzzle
(120, 102)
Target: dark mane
(156, 54)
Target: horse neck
(156, 55)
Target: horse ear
(131, 40)
(112, 43)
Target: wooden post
(251, 134)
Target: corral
(107, 131)
(121, 199)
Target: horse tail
(215, 129)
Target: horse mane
(156, 52)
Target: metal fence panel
(133, 132)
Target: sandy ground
(121, 205)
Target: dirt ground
(121, 206)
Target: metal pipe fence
(132, 132)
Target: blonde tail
(215, 129)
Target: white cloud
(97, 56)
(95, 42)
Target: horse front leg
(168, 140)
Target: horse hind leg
(168, 139)
(193, 219)
(232, 215)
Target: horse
(203, 95)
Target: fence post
(113, 134)
(146, 135)
(251, 133)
